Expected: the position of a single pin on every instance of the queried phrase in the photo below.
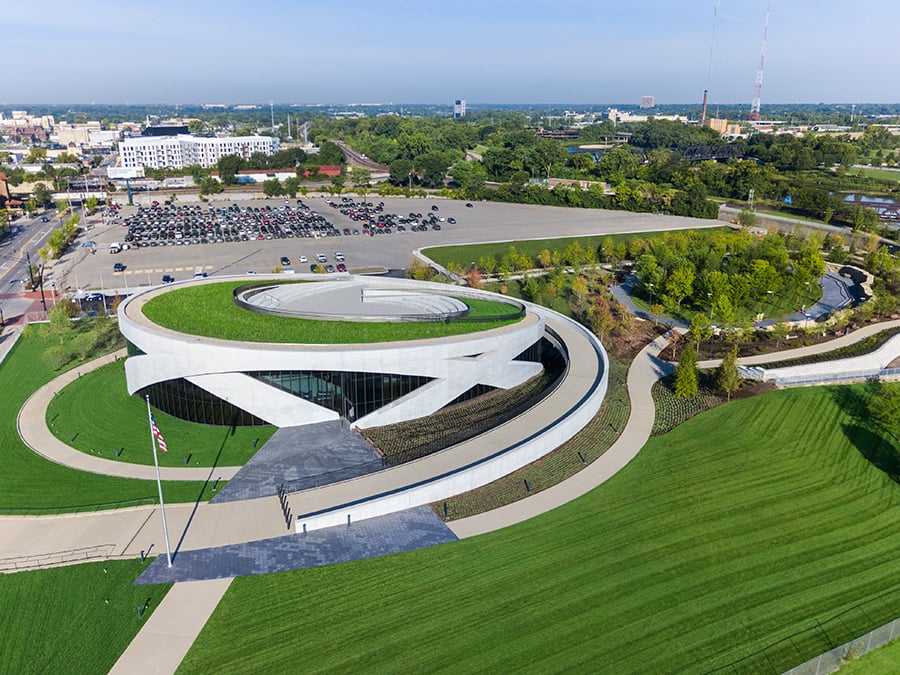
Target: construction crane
(754, 107)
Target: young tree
(60, 322)
(602, 319)
(701, 329)
(687, 378)
(780, 331)
(884, 409)
(728, 378)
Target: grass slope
(882, 661)
(737, 529)
(58, 620)
(30, 483)
(221, 318)
(96, 415)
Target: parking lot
(382, 233)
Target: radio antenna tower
(754, 107)
(712, 42)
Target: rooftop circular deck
(351, 300)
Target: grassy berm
(743, 526)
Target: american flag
(157, 435)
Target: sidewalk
(163, 641)
(32, 425)
(821, 348)
(646, 368)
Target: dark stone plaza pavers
(302, 457)
(408, 530)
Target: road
(484, 222)
(356, 158)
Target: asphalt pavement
(483, 222)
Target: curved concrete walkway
(800, 352)
(33, 430)
(646, 369)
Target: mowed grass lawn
(96, 415)
(209, 310)
(59, 621)
(30, 483)
(737, 529)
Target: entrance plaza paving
(302, 458)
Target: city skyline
(504, 52)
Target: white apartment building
(177, 152)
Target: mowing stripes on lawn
(96, 415)
(724, 536)
(30, 483)
(75, 619)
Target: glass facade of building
(352, 395)
(187, 401)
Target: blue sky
(423, 51)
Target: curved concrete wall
(567, 411)
(455, 363)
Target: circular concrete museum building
(312, 348)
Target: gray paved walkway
(396, 532)
(302, 457)
(799, 352)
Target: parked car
(339, 257)
(118, 267)
(341, 267)
(468, 205)
(285, 261)
(303, 259)
(168, 279)
(321, 257)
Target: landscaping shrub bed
(554, 467)
(672, 411)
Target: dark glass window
(352, 395)
(187, 401)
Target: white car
(303, 259)
(339, 257)
(321, 257)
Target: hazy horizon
(518, 52)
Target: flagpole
(162, 504)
